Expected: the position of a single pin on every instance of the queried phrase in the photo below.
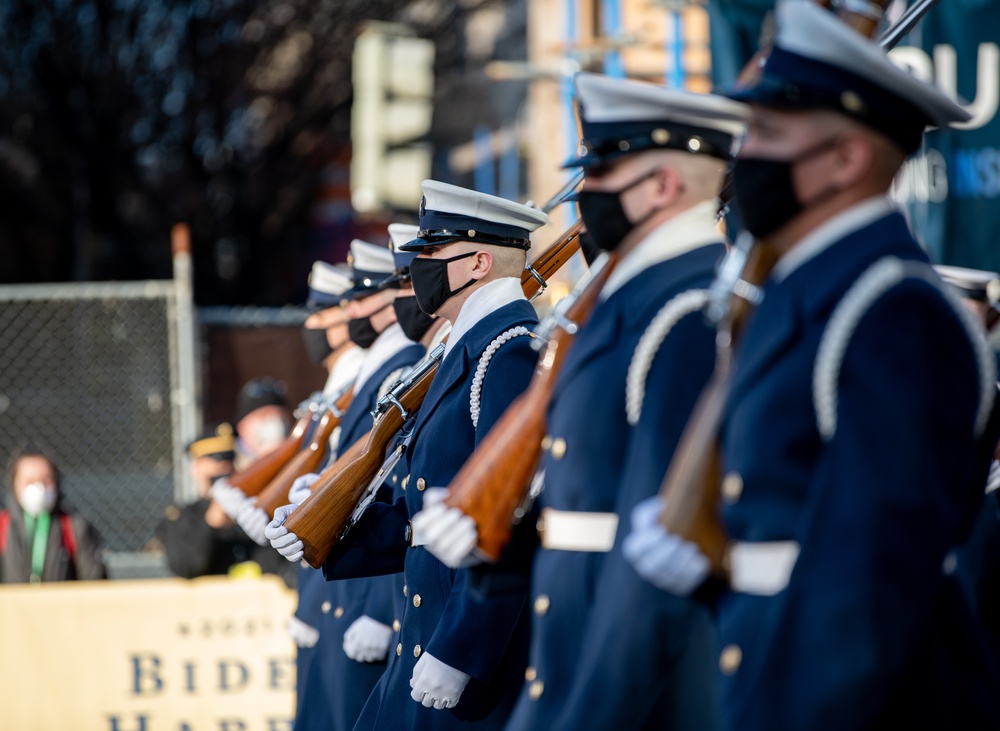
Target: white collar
(830, 232)
(389, 342)
(681, 233)
(345, 370)
(484, 301)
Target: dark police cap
(258, 393)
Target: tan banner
(161, 655)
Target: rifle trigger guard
(393, 401)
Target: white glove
(993, 481)
(228, 497)
(302, 634)
(252, 520)
(436, 684)
(661, 558)
(282, 540)
(302, 488)
(367, 640)
(448, 533)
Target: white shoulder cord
(878, 279)
(649, 345)
(484, 362)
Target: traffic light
(393, 75)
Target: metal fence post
(184, 385)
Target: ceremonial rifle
(322, 518)
(492, 485)
(306, 460)
(691, 487)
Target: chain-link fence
(90, 373)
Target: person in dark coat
(858, 429)
(199, 539)
(41, 538)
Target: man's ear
(669, 186)
(483, 265)
(856, 156)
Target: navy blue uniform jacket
(336, 687)
(871, 630)
(570, 644)
(485, 639)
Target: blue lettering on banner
(279, 724)
(976, 173)
(146, 668)
(226, 682)
(231, 725)
(279, 677)
(116, 724)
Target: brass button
(417, 600)
(399, 649)
(546, 443)
(730, 659)
(732, 487)
(541, 605)
(404, 590)
(530, 674)
(395, 625)
(536, 689)
(405, 482)
(416, 651)
(558, 450)
(338, 612)
(325, 607)
(421, 484)
(395, 479)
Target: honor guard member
(857, 433)
(654, 162)
(458, 662)
(979, 559)
(324, 332)
(347, 664)
(327, 343)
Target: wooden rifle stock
(306, 460)
(255, 478)
(692, 485)
(321, 519)
(494, 482)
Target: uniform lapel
(455, 368)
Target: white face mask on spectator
(36, 499)
(268, 433)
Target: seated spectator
(41, 538)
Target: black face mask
(317, 346)
(604, 216)
(414, 321)
(764, 191)
(361, 331)
(430, 282)
(588, 248)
